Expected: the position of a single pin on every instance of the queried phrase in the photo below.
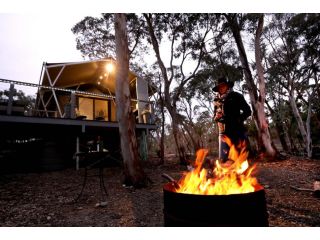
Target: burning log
(233, 178)
(171, 179)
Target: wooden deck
(11, 123)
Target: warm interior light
(109, 67)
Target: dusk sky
(28, 40)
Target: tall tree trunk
(304, 128)
(194, 140)
(167, 100)
(281, 130)
(162, 137)
(309, 140)
(175, 132)
(257, 102)
(297, 115)
(162, 128)
(187, 144)
(134, 174)
(294, 148)
(263, 125)
(283, 136)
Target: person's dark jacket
(236, 111)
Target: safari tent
(86, 90)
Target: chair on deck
(79, 116)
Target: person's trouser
(235, 139)
(223, 148)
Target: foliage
(95, 37)
(19, 98)
(196, 49)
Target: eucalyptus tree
(280, 112)
(95, 36)
(198, 124)
(306, 28)
(134, 174)
(159, 112)
(294, 64)
(187, 35)
(237, 23)
(95, 39)
(220, 60)
(105, 37)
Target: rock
(101, 204)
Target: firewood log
(315, 190)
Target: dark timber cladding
(33, 144)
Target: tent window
(86, 107)
(101, 110)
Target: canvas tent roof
(73, 74)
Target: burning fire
(228, 179)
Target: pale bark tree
(257, 96)
(134, 174)
(262, 120)
(304, 128)
(294, 74)
(171, 98)
(167, 83)
(282, 130)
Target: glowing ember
(228, 179)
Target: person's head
(223, 88)
(222, 85)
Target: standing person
(230, 111)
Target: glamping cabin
(86, 90)
(75, 111)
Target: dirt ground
(46, 199)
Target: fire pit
(227, 196)
(234, 210)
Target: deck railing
(9, 106)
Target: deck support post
(10, 100)
(77, 151)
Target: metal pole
(73, 105)
(77, 151)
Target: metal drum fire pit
(234, 210)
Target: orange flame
(228, 179)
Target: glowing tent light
(109, 67)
